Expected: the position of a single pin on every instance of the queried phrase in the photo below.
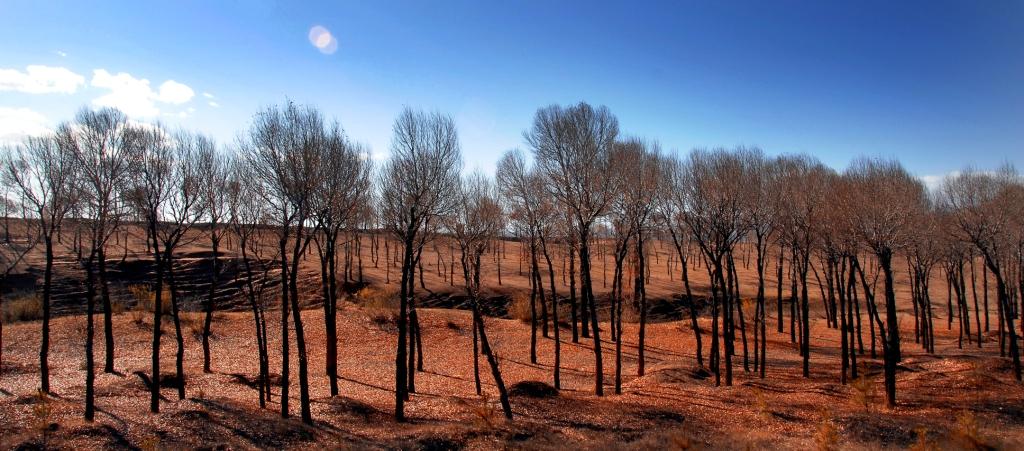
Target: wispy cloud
(40, 80)
(134, 96)
(61, 53)
(208, 95)
(17, 123)
(213, 104)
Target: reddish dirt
(946, 399)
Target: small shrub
(863, 392)
(378, 298)
(486, 412)
(146, 299)
(923, 443)
(385, 320)
(117, 307)
(519, 307)
(42, 412)
(151, 443)
(761, 403)
(827, 437)
(26, 307)
(967, 433)
(381, 306)
(192, 322)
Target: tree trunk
(44, 347)
(108, 320)
(283, 244)
(400, 357)
(892, 348)
(154, 389)
(588, 298)
(90, 332)
(179, 356)
(640, 289)
(214, 276)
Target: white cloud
(214, 104)
(17, 123)
(932, 182)
(60, 53)
(373, 155)
(134, 96)
(40, 80)
(208, 95)
(175, 93)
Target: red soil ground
(955, 398)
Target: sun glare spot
(323, 40)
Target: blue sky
(937, 84)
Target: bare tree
(43, 171)
(673, 201)
(986, 207)
(474, 224)
(152, 189)
(762, 205)
(12, 255)
(803, 182)
(247, 215)
(571, 146)
(337, 202)
(716, 220)
(531, 210)
(884, 227)
(285, 149)
(213, 172)
(417, 184)
(106, 150)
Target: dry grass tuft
(42, 413)
(381, 306)
(864, 388)
(519, 307)
(145, 299)
(23, 307)
(967, 433)
(923, 443)
(827, 436)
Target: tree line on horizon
(297, 180)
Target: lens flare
(323, 40)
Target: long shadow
(272, 435)
(114, 437)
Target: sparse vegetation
(22, 307)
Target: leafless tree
(762, 204)
(12, 256)
(887, 200)
(106, 149)
(571, 147)
(986, 207)
(213, 172)
(716, 220)
(475, 223)
(43, 171)
(247, 216)
(418, 184)
(532, 211)
(284, 148)
(150, 194)
(673, 202)
(803, 188)
(343, 192)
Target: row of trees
(297, 180)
